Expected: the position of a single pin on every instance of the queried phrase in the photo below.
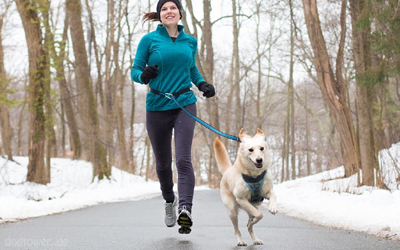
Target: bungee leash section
(172, 97)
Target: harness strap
(255, 184)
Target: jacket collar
(162, 30)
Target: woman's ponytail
(150, 16)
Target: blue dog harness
(255, 184)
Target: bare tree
(97, 54)
(291, 94)
(98, 153)
(333, 89)
(119, 81)
(109, 85)
(385, 70)
(365, 91)
(5, 126)
(65, 93)
(37, 171)
(131, 24)
(234, 79)
(51, 142)
(205, 64)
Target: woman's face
(169, 14)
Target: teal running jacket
(176, 63)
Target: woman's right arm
(141, 58)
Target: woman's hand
(207, 89)
(150, 72)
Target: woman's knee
(184, 164)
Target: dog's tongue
(259, 165)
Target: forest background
(321, 79)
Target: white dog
(245, 184)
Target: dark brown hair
(150, 16)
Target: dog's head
(254, 151)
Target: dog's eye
(262, 148)
(251, 150)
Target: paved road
(139, 225)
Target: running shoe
(170, 212)
(185, 221)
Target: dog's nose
(259, 160)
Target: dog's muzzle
(259, 162)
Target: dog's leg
(256, 240)
(233, 215)
(233, 211)
(272, 206)
(254, 216)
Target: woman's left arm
(195, 75)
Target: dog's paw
(272, 208)
(258, 242)
(241, 244)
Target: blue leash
(172, 97)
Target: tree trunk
(66, 95)
(259, 65)
(205, 64)
(236, 68)
(119, 83)
(109, 88)
(334, 90)
(291, 96)
(37, 171)
(362, 63)
(99, 84)
(308, 156)
(6, 129)
(51, 141)
(21, 117)
(131, 144)
(232, 79)
(286, 145)
(98, 153)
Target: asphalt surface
(140, 225)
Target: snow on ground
(375, 212)
(71, 188)
(320, 198)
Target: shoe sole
(186, 223)
(184, 230)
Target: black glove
(207, 89)
(150, 72)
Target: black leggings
(160, 125)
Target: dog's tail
(221, 155)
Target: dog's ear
(242, 135)
(260, 133)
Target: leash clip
(169, 95)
